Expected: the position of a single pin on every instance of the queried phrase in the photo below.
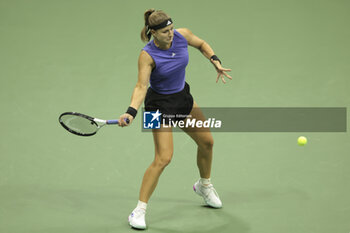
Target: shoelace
(138, 212)
(209, 188)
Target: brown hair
(152, 18)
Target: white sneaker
(137, 218)
(208, 193)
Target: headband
(162, 24)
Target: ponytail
(146, 31)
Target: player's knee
(207, 143)
(163, 160)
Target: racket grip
(115, 122)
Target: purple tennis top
(168, 76)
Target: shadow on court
(103, 209)
(186, 215)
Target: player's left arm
(206, 50)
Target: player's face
(165, 35)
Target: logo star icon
(156, 115)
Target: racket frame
(99, 123)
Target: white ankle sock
(205, 182)
(142, 205)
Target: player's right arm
(145, 66)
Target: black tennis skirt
(173, 107)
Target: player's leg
(163, 142)
(205, 142)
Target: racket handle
(115, 122)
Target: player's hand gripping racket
(83, 125)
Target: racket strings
(79, 124)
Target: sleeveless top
(168, 76)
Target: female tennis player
(162, 63)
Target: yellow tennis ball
(302, 140)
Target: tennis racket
(83, 125)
